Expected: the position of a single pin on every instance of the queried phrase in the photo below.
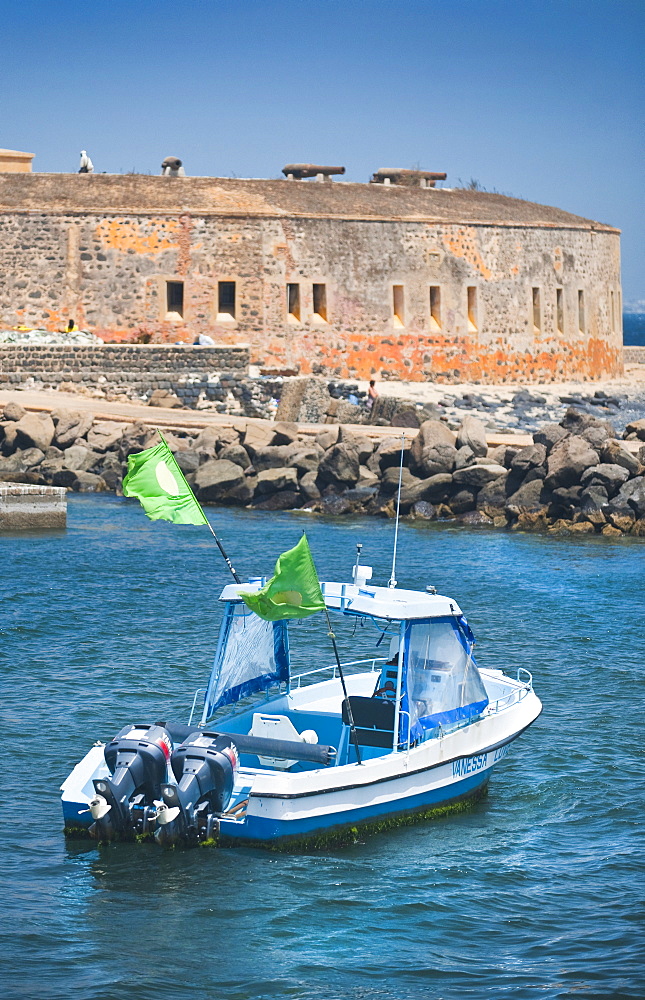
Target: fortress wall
(109, 271)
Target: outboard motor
(124, 804)
(204, 766)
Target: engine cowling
(124, 803)
(204, 767)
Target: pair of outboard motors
(137, 799)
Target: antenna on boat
(359, 546)
(392, 580)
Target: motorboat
(277, 754)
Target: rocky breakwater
(576, 477)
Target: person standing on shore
(372, 394)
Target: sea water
(536, 892)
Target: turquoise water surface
(538, 891)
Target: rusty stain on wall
(124, 235)
(463, 243)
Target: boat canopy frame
(431, 692)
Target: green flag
(157, 481)
(294, 589)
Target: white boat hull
(270, 806)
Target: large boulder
(12, 469)
(30, 457)
(165, 398)
(568, 460)
(284, 432)
(431, 433)
(103, 436)
(390, 480)
(304, 399)
(276, 480)
(527, 498)
(136, 437)
(593, 498)
(576, 422)
(438, 458)
(475, 476)
(215, 479)
(13, 411)
(8, 436)
(465, 456)
(388, 453)
(309, 487)
(359, 442)
(634, 429)
(463, 501)
(305, 457)
(188, 460)
(598, 434)
(237, 454)
(528, 458)
(71, 425)
(634, 493)
(492, 497)
(549, 435)
(614, 454)
(564, 501)
(284, 500)
(405, 415)
(472, 434)
(275, 457)
(610, 476)
(80, 482)
(257, 436)
(330, 436)
(244, 492)
(340, 465)
(35, 431)
(79, 458)
(435, 488)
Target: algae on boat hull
(340, 836)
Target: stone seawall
(576, 477)
(24, 508)
(183, 370)
(634, 355)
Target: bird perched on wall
(86, 167)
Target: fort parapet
(347, 280)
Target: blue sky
(541, 100)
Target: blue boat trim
(258, 828)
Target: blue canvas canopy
(441, 684)
(252, 654)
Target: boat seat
(279, 727)
(374, 720)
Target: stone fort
(390, 279)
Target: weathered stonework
(102, 248)
(137, 368)
(24, 508)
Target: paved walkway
(42, 401)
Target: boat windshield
(252, 654)
(442, 684)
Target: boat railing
(524, 678)
(370, 665)
(199, 692)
